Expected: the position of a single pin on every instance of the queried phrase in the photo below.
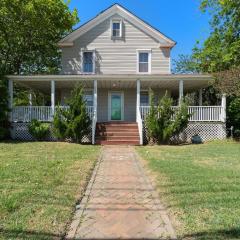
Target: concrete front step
(118, 138)
(118, 134)
(117, 142)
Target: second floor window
(143, 62)
(88, 62)
(116, 28)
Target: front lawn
(40, 183)
(200, 184)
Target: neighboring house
(118, 57)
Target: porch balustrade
(41, 113)
(198, 113)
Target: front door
(116, 106)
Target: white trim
(116, 20)
(109, 105)
(94, 60)
(149, 51)
(117, 9)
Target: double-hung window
(88, 97)
(144, 61)
(144, 98)
(116, 28)
(88, 62)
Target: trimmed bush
(164, 122)
(38, 129)
(73, 123)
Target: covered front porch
(114, 97)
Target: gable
(117, 10)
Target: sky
(181, 20)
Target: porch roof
(168, 81)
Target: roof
(117, 9)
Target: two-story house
(117, 57)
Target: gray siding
(115, 56)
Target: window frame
(94, 64)
(116, 20)
(149, 52)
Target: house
(118, 57)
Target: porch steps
(117, 133)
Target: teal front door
(116, 106)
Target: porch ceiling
(169, 81)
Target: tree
(29, 32)
(73, 123)
(221, 50)
(3, 110)
(185, 64)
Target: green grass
(40, 183)
(200, 184)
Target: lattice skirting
(19, 131)
(207, 131)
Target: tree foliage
(29, 32)
(185, 64)
(164, 122)
(221, 50)
(73, 123)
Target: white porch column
(180, 91)
(53, 96)
(138, 97)
(224, 108)
(200, 97)
(94, 119)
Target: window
(144, 61)
(88, 97)
(88, 62)
(116, 28)
(144, 99)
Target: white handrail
(198, 113)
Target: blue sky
(181, 20)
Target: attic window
(116, 26)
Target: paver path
(120, 202)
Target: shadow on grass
(233, 233)
(28, 235)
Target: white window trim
(118, 20)
(94, 61)
(149, 51)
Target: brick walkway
(120, 202)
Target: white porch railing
(41, 113)
(198, 113)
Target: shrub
(163, 122)
(233, 115)
(4, 124)
(38, 130)
(74, 122)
